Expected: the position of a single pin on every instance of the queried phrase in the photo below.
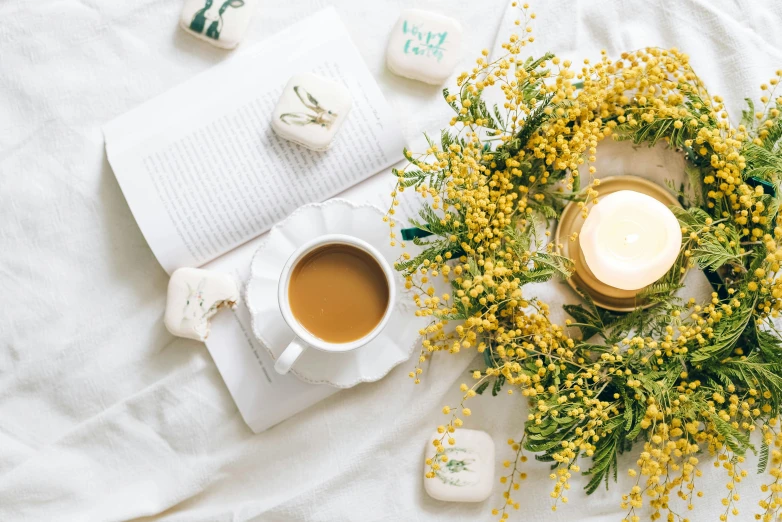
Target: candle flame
(631, 238)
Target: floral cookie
(194, 296)
(468, 474)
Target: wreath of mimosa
(675, 382)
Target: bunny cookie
(220, 22)
(310, 111)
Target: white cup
(305, 339)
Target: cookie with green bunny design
(222, 23)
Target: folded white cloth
(104, 416)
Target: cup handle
(288, 357)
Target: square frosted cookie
(220, 22)
(311, 110)
(424, 46)
(468, 475)
(194, 296)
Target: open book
(205, 176)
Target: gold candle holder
(583, 280)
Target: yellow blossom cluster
(679, 381)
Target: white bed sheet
(105, 416)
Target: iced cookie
(194, 296)
(311, 110)
(468, 474)
(220, 22)
(424, 46)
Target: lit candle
(630, 240)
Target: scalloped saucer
(343, 370)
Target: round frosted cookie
(311, 110)
(424, 46)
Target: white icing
(194, 296)
(311, 110)
(222, 23)
(468, 475)
(424, 46)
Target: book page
(201, 168)
(264, 397)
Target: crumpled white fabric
(104, 416)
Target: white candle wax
(630, 240)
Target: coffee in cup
(336, 293)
